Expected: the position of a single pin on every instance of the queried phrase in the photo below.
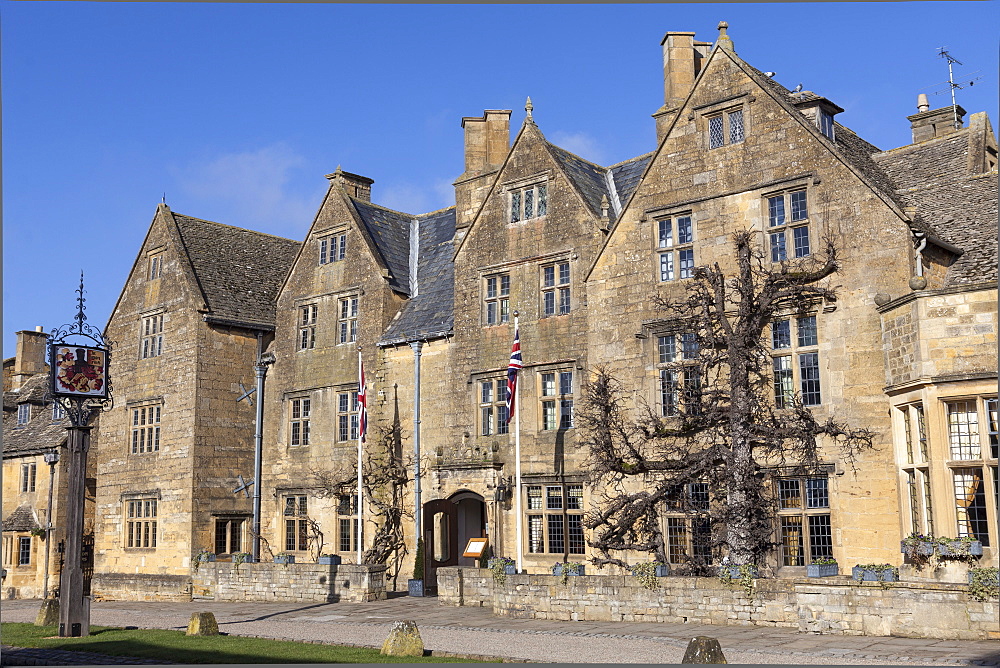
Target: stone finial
(604, 207)
(202, 624)
(404, 640)
(703, 649)
(724, 41)
(528, 107)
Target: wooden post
(74, 615)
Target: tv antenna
(951, 85)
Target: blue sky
(237, 111)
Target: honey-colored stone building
(577, 253)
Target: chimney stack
(30, 356)
(928, 124)
(355, 185)
(487, 142)
(682, 59)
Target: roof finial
(528, 107)
(163, 200)
(724, 41)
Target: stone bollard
(703, 649)
(404, 640)
(48, 614)
(202, 624)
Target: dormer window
(819, 110)
(23, 413)
(826, 123)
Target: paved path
(476, 631)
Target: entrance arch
(448, 526)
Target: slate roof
(960, 208)
(591, 180)
(22, 519)
(239, 271)
(390, 230)
(627, 175)
(430, 314)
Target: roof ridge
(636, 158)
(927, 142)
(592, 164)
(233, 227)
(432, 213)
(357, 200)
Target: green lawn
(179, 648)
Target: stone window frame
(674, 252)
(151, 334)
(798, 353)
(555, 403)
(793, 219)
(145, 422)
(812, 517)
(58, 411)
(910, 422)
(29, 475)
(825, 123)
(230, 525)
(545, 504)
(332, 247)
(687, 525)
(492, 406)
(306, 326)
(140, 519)
(295, 511)
(299, 419)
(678, 371)
(518, 194)
(25, 547)
(496, 298)
(348, 307)
(347, 523)
(154, 263)
(348, 415)
(23, 414)
(554, 281)
(981, 472)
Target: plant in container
(822, 568)
(240, 558)
(984, 583)
(415, 585)
(918, 548)
(202, 556)
(648, 573)
(745, 574)
(965, 548)
(284, 558)
(501, 567)
(568, 568)
(330, 559)
(881, 573)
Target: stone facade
(292, 582)
(576, 253)
(834, 605)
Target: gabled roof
(592, 180)
(34, 389)
(40, 434)
(22, 519)
(952, 204)
(429, 314)
(390, 230)
(628, 174)
(238, 271)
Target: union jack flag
(512, 368)
(362, 403)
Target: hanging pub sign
(79, 371)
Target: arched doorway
(448, 526)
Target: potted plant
(984, 583)
(728, 571)
(964, 548)
(201, 557)
(875, 573)
(284, 558)
(416, 584)
(38, 532)
(568, 568)
(241, 558)
(648, 572)
(917, 545)
(822, 568)
(501, 568)
(329, 559)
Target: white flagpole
(361, 498)
(517, 458)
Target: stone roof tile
(22, 519)
(240, 271)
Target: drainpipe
(416, 345)
(260, 370)
(922, 236)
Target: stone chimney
(487, 142)
(682, 59)
(30, 356)
(355, 185)
(927, 124)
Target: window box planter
(329, 559)
(285, 559)
(734, 572)
(561, 569)
(960, 548)
(923, 547)
(415, 587)
(509, 569)
(206, 557)
(662, 570)
(822, 570)
(872, 575)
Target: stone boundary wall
(828, 605)
(140, 587)
(221, 581)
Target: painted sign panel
(79, 371)
(475, 548)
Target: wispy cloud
(261, 189)
(581, 144)
(416, 198)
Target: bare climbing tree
(728, 427)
